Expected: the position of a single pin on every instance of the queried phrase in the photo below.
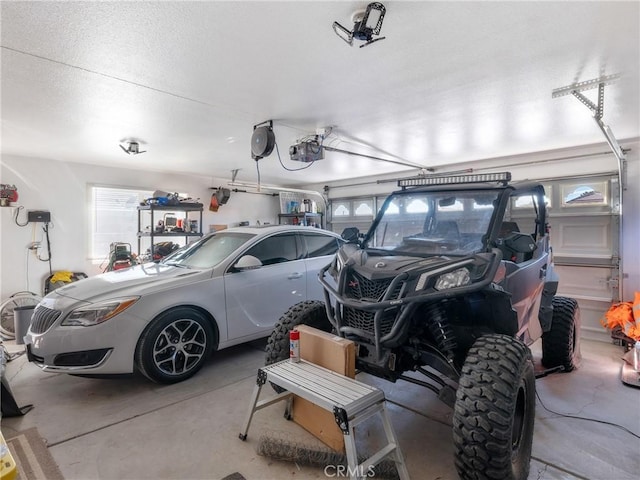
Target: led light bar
(500, 177)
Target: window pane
(319, 245)
(364, 207)
(115, 217)
(417, 206)
(527, 201)
(584, 194)
(341, 210)
(276, 249)
(393, 208)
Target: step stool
(350, 401)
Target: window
(392, 208)
(584, 194)
(363, 208)
(276, 249)
(527, 201)
(319, 245)
(114, 217)
(417, 206)
(351, 212)
(341, 209)
(524, 220)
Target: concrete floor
(130, 428)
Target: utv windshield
(434, 223)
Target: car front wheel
(175, 346)
(495, 410)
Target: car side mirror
(351, 234)
(247, 262)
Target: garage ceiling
(452, 82)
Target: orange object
(625, 315)
(213, 206)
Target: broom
(279, 448)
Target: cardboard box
(336, 354)
(216, 228)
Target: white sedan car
(166, 318)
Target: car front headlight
(456, 278)
(97, 313)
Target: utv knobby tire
(495, 411)
(561, 344)
(309, 312)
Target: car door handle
(294, 276)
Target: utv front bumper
(384, 321)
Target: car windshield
(434, 223)
(209, 251)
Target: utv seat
(446, 229)
(506, 229)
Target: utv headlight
(457, 278)
(98, 312)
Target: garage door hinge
(613, 282)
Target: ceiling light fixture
(132, 148)
(367, 23)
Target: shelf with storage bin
(154, 213)
(302, 218)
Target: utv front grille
(359, 288)
(364, 321)
(43, 318)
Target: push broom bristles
(279, 447)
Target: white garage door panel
(585, 247)
(591, 312)
(573, 284)
(580, 236)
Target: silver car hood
(137, 280)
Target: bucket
(22, 321)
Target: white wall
(62, 188)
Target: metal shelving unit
(152, 210)
(302, 218)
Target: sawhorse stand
(351, 402)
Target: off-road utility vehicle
(454, 280)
